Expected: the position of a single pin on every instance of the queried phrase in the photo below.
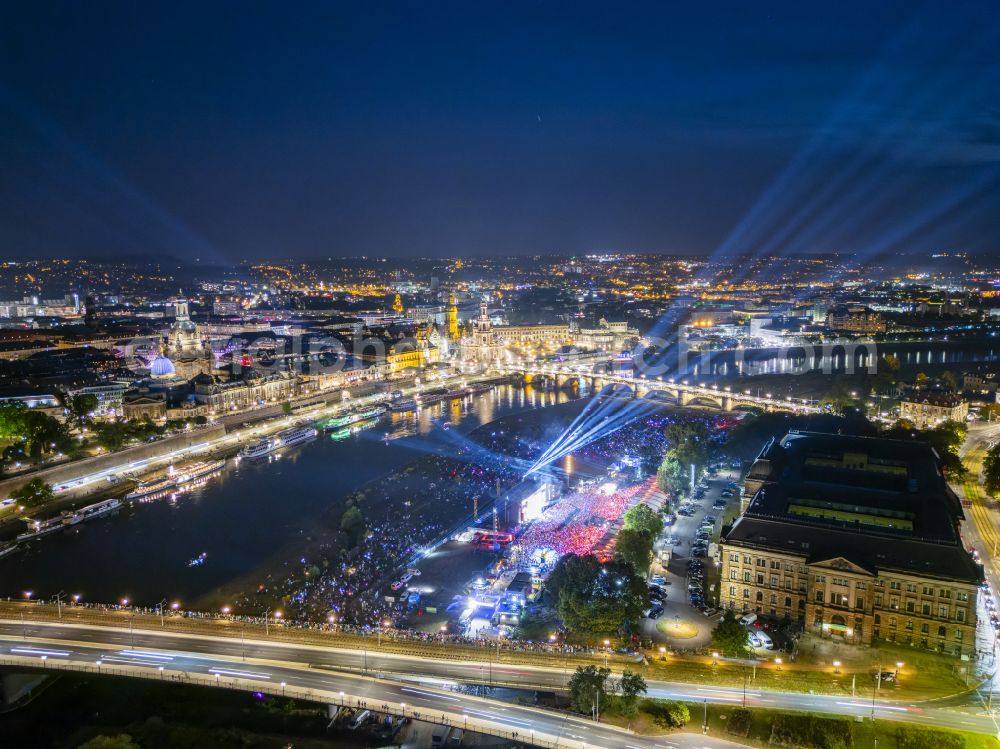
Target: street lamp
(607, 645)
(777, 662)
(715, 657)
(836, 667)
(899, 665)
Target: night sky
(229, 131)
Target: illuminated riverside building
(254, 389)
(926, 408)
(856, 538)
(861, 320)
(488, 343)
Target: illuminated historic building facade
(856, 538)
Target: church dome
(161, 367)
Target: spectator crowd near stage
(431, 500)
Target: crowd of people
(404, 513)
(432, 499)
(580, 522)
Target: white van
(747, 620)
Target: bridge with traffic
(450, 687)
(599, 375)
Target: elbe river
(241, 517)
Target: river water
(838, 358)
(241, 517)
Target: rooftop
(879, 503)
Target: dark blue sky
(251, 130)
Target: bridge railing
(463, 720)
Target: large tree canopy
(636, 548)
(594, 598)
(642, 517)
(730, 637)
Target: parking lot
(683, 595)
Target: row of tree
(946, 438)
(31, 433)
(991, 470)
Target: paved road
(676, 607)
(419, 678)
(425, 699)
(982, 530)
